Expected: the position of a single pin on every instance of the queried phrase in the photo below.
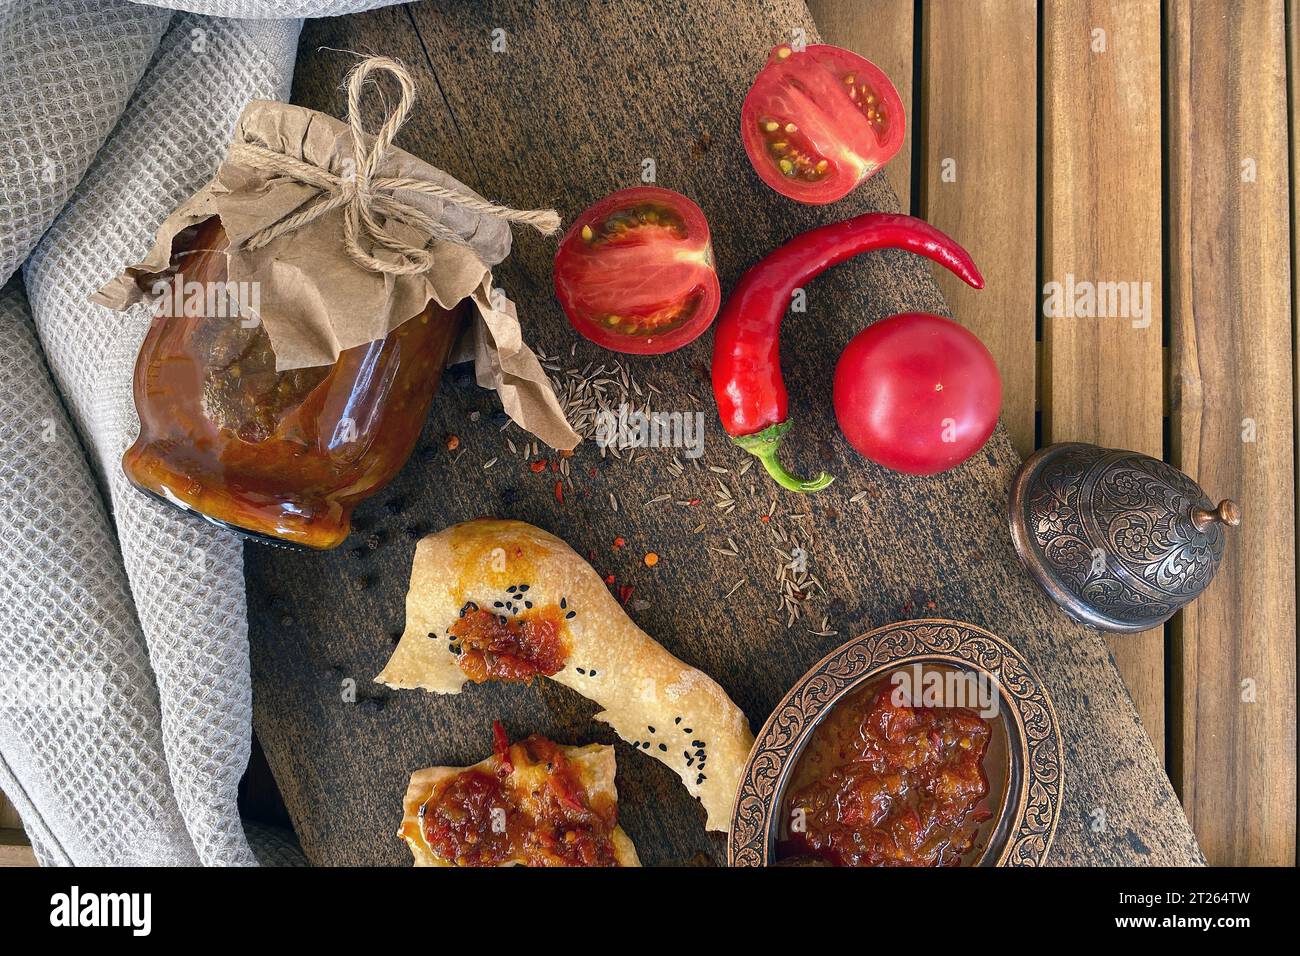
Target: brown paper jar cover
(314, 300)
(279, 386)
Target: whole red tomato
(819, 121)
(917, 393)
(635, 272)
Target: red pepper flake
(764, 518)
(651, 559)
(566, 454)
(559, 490)
(609, 579)
(619, 542)
(538, 466)
(559, 785)
(555, 464)
(453, 442)
(625, 593)
(501, 746)
(693, 502)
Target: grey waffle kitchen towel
(125, 701)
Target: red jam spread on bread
(885, 784)
(526, 805)
(496, 647)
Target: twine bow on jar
(365, 197)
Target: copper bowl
(1026, 811)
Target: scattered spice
(825, 630)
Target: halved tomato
(635, 272)
(818, 122)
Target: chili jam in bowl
(921, 743)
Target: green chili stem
(763, 446)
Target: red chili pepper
(501, 746)
(747, 383)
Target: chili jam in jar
(884, 783)
(277, 456)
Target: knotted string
(366, 198)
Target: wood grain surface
(884, 31)
(8, 815)
(584, 92)
(14, 848)
(1233, 752)
(1103, 374)
(980, 155)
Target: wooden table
(1048, 148)
(1090, 142)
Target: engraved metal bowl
(1030, 804)
(1120, 540)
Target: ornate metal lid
(1120, 540)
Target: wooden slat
(9, 815)
(979, 167)
(882, 31)
(1101, 223)
(14, 850)
(1233, 747)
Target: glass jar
(278, 456)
